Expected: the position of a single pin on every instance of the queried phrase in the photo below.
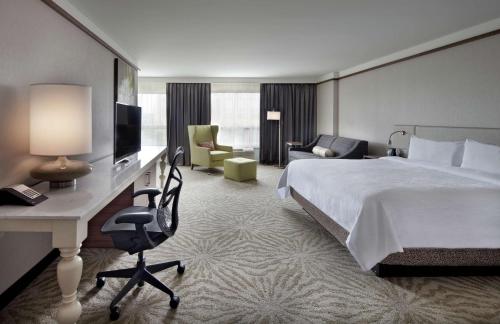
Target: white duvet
(392, 203)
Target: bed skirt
(458, 261)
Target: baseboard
(23, 282)
(389, 270)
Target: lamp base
(61, 172)
(62, 184)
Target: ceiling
(274, 38)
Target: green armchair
(203, 156)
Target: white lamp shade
(273, 115)
(60, 119)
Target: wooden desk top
(92, 192)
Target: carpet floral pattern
(252, 258)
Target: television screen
(127, 131)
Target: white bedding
(392, 203)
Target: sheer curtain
(235, 109)
(154, 118)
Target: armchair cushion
(220, 155)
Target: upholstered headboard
(446, 133)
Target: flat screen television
(127, 131)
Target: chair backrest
(325, 141)
(342, 145)
(169, 200)
(202, 133)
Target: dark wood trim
(95, 239)
(87, 31)
(437, 49)
(391, 270)
(23, 282)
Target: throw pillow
(209, 145)
(322, 151)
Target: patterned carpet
(251, 258)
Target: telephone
(20, 195)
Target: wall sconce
(391, 151)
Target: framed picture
(126, 83)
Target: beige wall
(459, 86)
(327, 112)
(38, 45)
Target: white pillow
(322, 151)
(443, 153)
(482, 157)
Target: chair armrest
(135, 218)
(225, 148)
(200, 155)
(151, 192)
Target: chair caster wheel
(100, 282)
(174, 301)
(115, 313)
(140, 283)
(181, 268)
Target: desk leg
(69, 273)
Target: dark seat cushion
(298, 155)
(124, 235)
(342, 145)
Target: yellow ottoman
(240, 169)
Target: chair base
(138, 275)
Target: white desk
(66, 214)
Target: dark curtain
(187, 104)
(297, 104)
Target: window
(235, 109)
(153, 100)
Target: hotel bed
(392, 213)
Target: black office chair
(136, 229)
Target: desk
(66, 214)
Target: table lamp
(60, 125)
(276, 115)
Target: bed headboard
(446, 133)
